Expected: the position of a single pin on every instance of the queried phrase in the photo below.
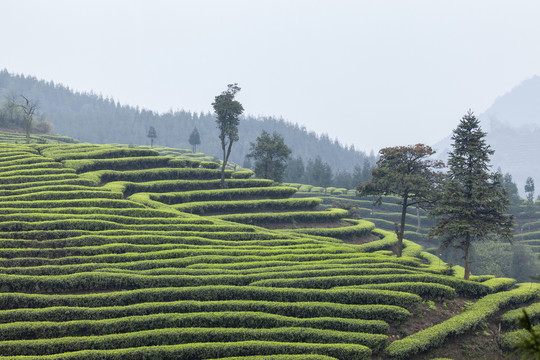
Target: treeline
(319, 173)
(90, 117)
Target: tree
(473, 202)
(295, 170)
(28, 108)
(194, 139)
(318, 172)
(227, 110)
(152, 134)
(513, 194)
(406, 172)
(529, 192)
(270, 154)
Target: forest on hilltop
(94, 118)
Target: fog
(370, 73)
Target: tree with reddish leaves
(407, 172)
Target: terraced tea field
(123, 253)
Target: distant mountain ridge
(512, 124)
(92, 118)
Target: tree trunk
(399, 250)
(467, 258)
(418, 217)
(28, 128)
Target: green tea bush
(189, 335)
(359, 228)
(200, 351)
(472, 317)
(210, 293)
(224, 194)
(462, 287)
(227, 319)
(286, 217)
(510, 320)
(204, 207)
(293, 309)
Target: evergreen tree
(227, 110)
(270, 154)
(152, 134)
(529, 192)
(513, 194)
(194, 139)
(473, 202)
(295, 170)
(247, 163)
(406, 172)
(318, 173)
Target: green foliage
(270, 154)
(511, 319)
(195, 139)
(152, 134)
(475, 315)
(200, 351)
(286, 217)
(227, 111)
(408, 173)
(473, 202)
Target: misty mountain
(512, 124)
(93, 118)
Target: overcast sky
(371, 73)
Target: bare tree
(28, 108)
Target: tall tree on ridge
(473, 201)
(227, 110)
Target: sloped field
(104, 254)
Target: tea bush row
(359, 228)
(293, 309)
(244, 319)
(200, 351)
(224, 194)
(286, 217)
(210, 293)
(510, 320)
(472, 317)
(247, 205)
(462, 287)
(187, 336)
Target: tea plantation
(111, 252)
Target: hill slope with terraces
(110, 252)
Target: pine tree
(473, 202)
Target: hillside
(92, 118)
(112, 252)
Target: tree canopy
(270, 154)
(227, 111)
(152, 134)
(194, 139)
(406, 172)
(473, 201)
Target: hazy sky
(371, 73)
